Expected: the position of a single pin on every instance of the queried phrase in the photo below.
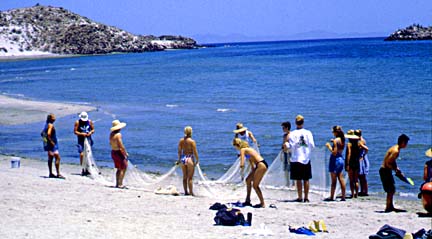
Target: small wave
(14, 95)
(408, 195)
(47, 71)
(72, 69)
(171, 106)
(224, 110)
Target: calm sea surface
(383, 88)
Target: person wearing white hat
(83, 128)
(118, 152)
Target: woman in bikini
(188, 157)
(259, 168)
(336, 163)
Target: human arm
(362, 145)
(179, 152)
(347, 156)
(92, 130)
(195, 152)
(253, 138)
(242, 162)
(425, 172)
(76, 132)
(49, 134)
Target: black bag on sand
(229, 217)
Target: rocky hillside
(57, 30)
(413, 32)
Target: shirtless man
(188, 157)
(385, 171)
(118, 152)
(259, 168)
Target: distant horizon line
(289, 40)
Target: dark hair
(287, 125)
(403, 138)
(339, 133)
(300, 122)
(358, 132)
(50, 118)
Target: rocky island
(413, 32)
(40, 30)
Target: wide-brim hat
(239, 128)
(428, 153)
(116, 125)
(83, 116)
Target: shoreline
(82, 206)
(14, 111)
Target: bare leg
(351, 181)
(299, 190)
(306, 190)
(356, 183)
(342, 184)
(57, 164)
(389, 202)
(363, 184)
(249, 179)
(190, 173)
(333, 185)
(121, 177)
(258, 175)
(117, 178)
(185, 178)
(50, 160)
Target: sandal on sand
(257, 206)
(245, 204)
(328, 200)
(122, 187)
(306, 200)
(298, 200)
(60, 176)
(52, 176)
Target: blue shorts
(336, 164)
(364, 165)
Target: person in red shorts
(118, 152)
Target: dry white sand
(17, 111)
(34, 206)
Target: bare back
(254, 156)
(390, 158)
(187, 146)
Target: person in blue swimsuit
(51, 145)
(336, 164)
(188, 158)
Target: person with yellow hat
(118, 152)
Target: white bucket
(15, 162)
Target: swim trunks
(387, 180)
(120, 161)
(336, 163)
(300, 171)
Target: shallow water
(383, 88)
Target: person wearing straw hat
(118, 152)
(188, 157)
(244, 134)
(301, 143)
(427, 172)
(389, 164)
(83, 129)
(51, 146)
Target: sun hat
(428, 153)
(83, 116)
(350, 135)
(239, 128)
(116, 125)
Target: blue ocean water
(383, 88)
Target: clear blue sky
(231, 20)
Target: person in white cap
(118, 152)
(84, 128)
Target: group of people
(296, 146)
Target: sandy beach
(35, 206)
(15, 111)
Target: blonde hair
(240, 143)
(188, 131)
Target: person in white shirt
(301, 143)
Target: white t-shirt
(301, 143)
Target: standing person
(385, 171)
(51, 145)
(364, 164)
(427, 171)
(83, 129)
(286, 127)
(259, 168)
(301, 143)
(244, 134)
(188, 156)
(336, 162)
(118, 152)
(353, 154)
